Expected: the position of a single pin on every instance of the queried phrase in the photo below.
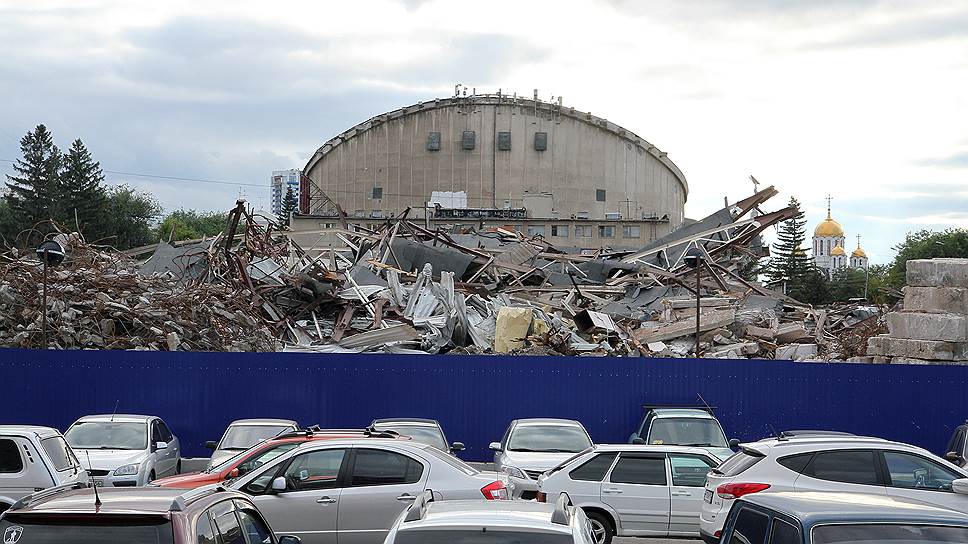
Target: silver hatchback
(356, 488)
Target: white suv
(835, 463)
(34, 458)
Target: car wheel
(601, 527)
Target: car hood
(532, 460)
(110, 459)
(222, 455)
(188, 480)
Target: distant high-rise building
(278, 183)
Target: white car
(242, 434)
(634, 490)
(833, 463)
(34, 458)
(499, 522)
(124, 450)
(532, 446)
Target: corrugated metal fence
(475, 397)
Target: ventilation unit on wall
(613, 215)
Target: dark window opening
(599, 195)
(468, 140)
(433, 141)
(594, 469)
(377, 193)
(639, 470)
(504, 141)
(540, 141)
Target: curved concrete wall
(585, 154)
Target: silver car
(34, 458)
(124, 450)
(242, 434)
(633, 490)
(356, 488)
(531, 446)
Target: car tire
(601, 527)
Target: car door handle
(325, 500)
(406, 497)
(681, 493)
(611, 490)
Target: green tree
(848, 283)
(35, 187)
(925, 244)
(82, 190)
(189, 225)
(8, 225)
(131, 215)
(789, 262)
(811, 286)
(290, 204)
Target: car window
(243, 437)
(957, 443)
(750, 527)
(689, 470)
(796, 463)
(59, 453)
(255, 528)
(114, 435)
(849, 467)
(452, 461)
(425, 434)
(380, 467)
(156, 432)
(314, 470)
(915, 472)
(260, 484)
(738, 463)
(639, 469)
(871, 532)
(204, 533)
(784, 533)
(475, 536)
(259, 459)
(549, 438)
(227, 524)
(30, 530)
(10, 459)
(687, 431)
(164, 431)
(594, 469)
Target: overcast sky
(865, 100)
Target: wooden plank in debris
(707, 322)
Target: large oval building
(528, 163)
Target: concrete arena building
(501, 160)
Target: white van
(34, 458)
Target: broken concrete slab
(794, 352)
(937, 272)
(919, 349)
(937, 299)
(652, 332)
(762, 333)
(791, 333)
(925, 326)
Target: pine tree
(83, 197)
(790, 262)
(35, 189)
(289, 205)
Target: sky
(863, 100)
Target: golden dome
(838, 251)
(829, 227)
(858, 253)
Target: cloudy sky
(864, 100)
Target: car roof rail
(561, 515)
(418, 510)
(50, 491)
(703, 407)
(371, 432)
(181, 501)
(811, 432)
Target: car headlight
(514, 472)
(127, 470)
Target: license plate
(98, 483)
(708, 497)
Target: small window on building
(433, 141)
(599, 195)
(468, 140)
(536, 230)
(540, 141)
(504, 141)
(632, 231)
(583, 231)
(377, 193)
(606, 231)
(559, 230)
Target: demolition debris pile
(405, 289)
(932, 327)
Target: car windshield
(425, 434)
(243, 437)
(687, 431)
(108, 435)
(253, 457)
(493, 535)
(549, 438)
(870, 533)
(22, 530)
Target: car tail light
(495, 491)
(541, 496)
(735, 491)
(718, 534)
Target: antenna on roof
(115, 412)
(704, 403)
(97, 498)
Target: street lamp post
(693, 258)
(51, 254)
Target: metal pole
(43, 315)
(698, 272)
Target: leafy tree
(848, 283)
(189, 225)
(789, 262)
(811, 286)
(8, 224)
(289, 205)
(925, 244)
(36, 185)
(83, 196)
(878, 290)
(130, 217)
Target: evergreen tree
(84, 200)
(790, 262)
(289, 205)
(35, 189)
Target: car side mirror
(211, 444)
(456, 447)
(233, 474)
(953, 456)
(161, 445)
(638, 440)
(960, 486)
(733, 443)
(496, 446)
(279, 484)
(289, 539)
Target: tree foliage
(290, 204)
(190, 225)
(82, 195)
(789, 262)
(34, 189)
(131, 216)
(925, 244)
(848, 283)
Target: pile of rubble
(932, 327)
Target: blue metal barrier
(474, 398)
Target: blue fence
(475, 397)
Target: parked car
(427, 431)
(33, 458)
(531, 446)
(262, 453)
(957, 450)
(74, 513)
(123, 450)
(242, 434)
(634, 490)
(840, 518)
(428, 521)
(833, 463)
(355, 488)
(683, 426)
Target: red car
(262, 453)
